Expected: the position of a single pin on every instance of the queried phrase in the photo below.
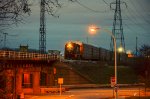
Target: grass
(101, 74)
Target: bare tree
(12, 11)
(145, 51)
(51, 6)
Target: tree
(145, 51)
(12, 11)
(145, 56)
(142, 65)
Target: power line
(88, 8)
(106, 3)
(143, 7)
(138, 12)
(134, 19)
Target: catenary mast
(42, 30)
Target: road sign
(60, 80)
(113, 80)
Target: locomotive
(75, 50)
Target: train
(76, 50)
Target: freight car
(76, 50)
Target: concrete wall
(53, 72)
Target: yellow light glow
(69, 46)
(129, 52)
(120, 49)
(92, 29)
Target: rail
(26, 55)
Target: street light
(94, 29)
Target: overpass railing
(26, 55)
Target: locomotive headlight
(69, 46)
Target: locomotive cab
(72, 51)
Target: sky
(73, 22)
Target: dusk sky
(73, 22)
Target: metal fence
(26, 55)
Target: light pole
(92, 30)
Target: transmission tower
(42, 30)
(117, 26)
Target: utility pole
(87, 40)
(117, 26)
(136, 47)
(5, 34)
(117, 32)
(5, 38)
(42, 30)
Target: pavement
(82, 93)
(48, 97)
